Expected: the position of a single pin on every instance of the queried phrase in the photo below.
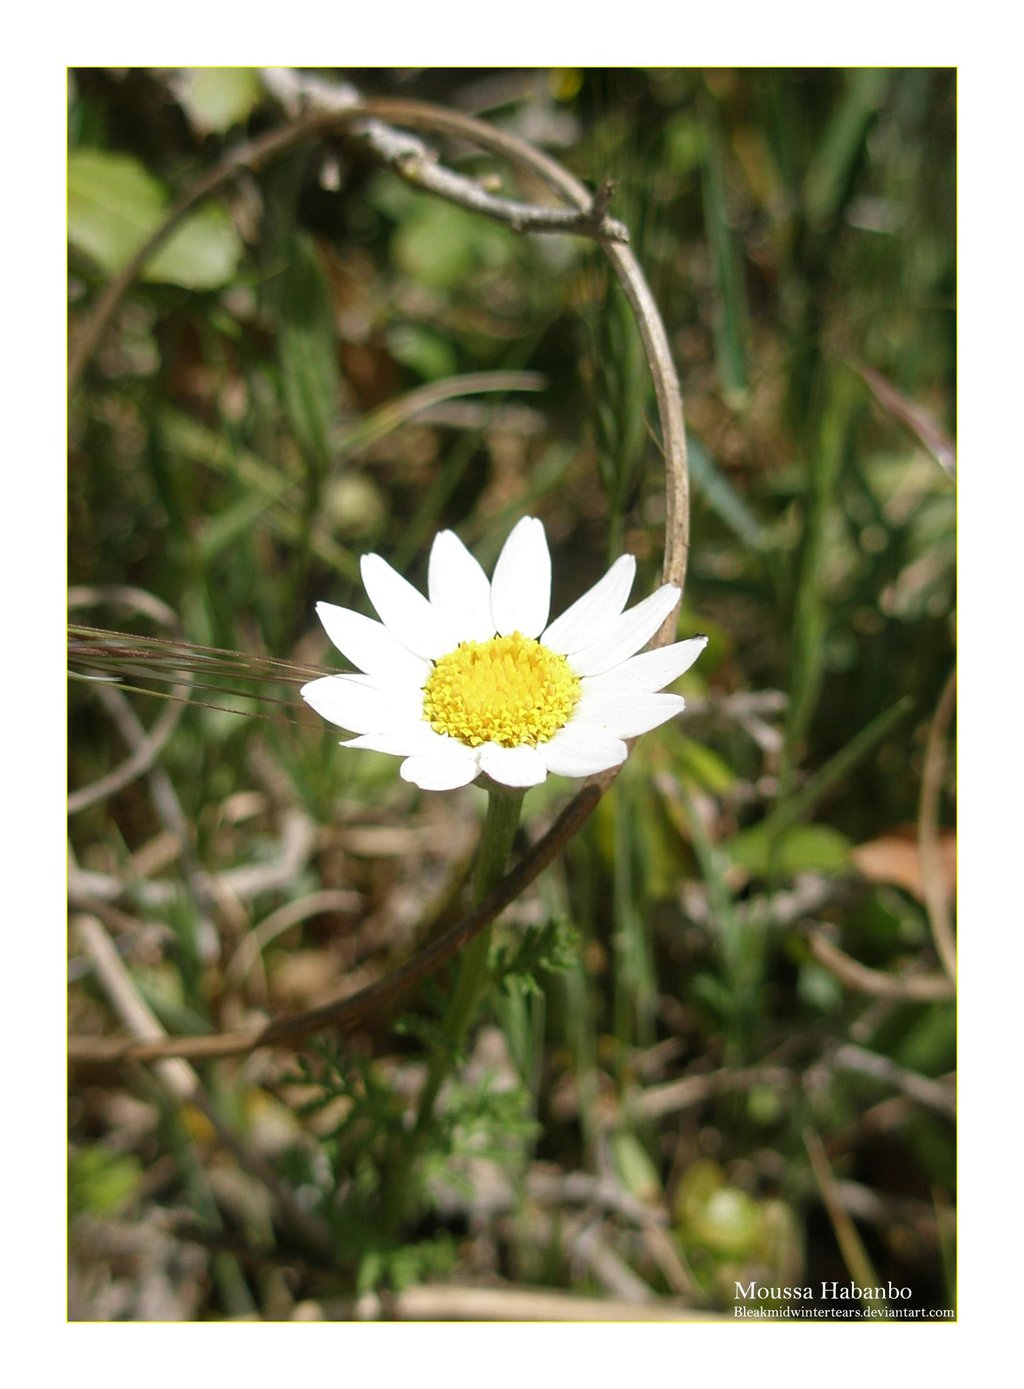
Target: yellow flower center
(509, 690)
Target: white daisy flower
(474, 679)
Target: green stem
(503, 807)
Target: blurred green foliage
(248, 428)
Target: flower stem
(495, 843)
(503, 807)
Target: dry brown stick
(673, 1096)
(917, 988)
(451, 1302)
(936, 896)
(590, 1250)
(417, 165)
(855, 1256)
(933, 1094)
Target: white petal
(651, 670)
(582, 751)
(451, 766)
(627, 633)
(590, 615)
(521, 587)
(404, 610)
(361, 703)
(459, 588)
(405, 740)
(626, 716)
(369, 645)
(521, 766)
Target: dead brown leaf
(894, 858)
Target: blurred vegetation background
(722, 1047)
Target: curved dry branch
(346, 1014)
(634, 284)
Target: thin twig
(916, 988)
(144, 754)
(634, 285)
(933, 1094)
(913, 417)
(583, 1188)
(690, 1091)
(178, 1078)
(877, 1208)
(855, 1256)
(609, 1269)
(255, 941)
(418, 165)
(881, 1118)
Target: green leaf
(634, 1167)
(202, 254)
(115, 205)
(704, 766)
(441, 246)
(804, 801)
(819, 989)
(721, 496)
(828, 177)
(719, 1217)
(730, 325)
(307, 350)
(215, 99)
(101, 1182)
(224, 528)
(801, 849)
(684, 148)
(423, 351)
(551, 948)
